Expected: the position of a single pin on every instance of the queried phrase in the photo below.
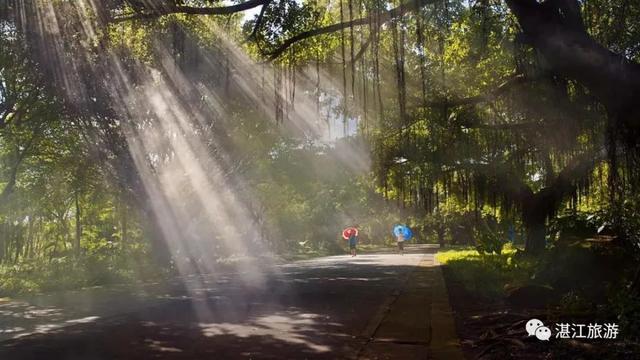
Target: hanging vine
(351, 50)
(344, 72)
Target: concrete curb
(416, 320)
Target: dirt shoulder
(493, 329)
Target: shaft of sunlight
(174, 126)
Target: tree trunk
(18, 242)
(536, 229)
(125, 225)
(441, 233)
(160, 251)
(78, 225)
(3, 237)
(556, 30)
(29, 239)
(535, 209)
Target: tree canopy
(314, 115)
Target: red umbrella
(348, 232)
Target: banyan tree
(519, 104)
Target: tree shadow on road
(181, 332)
(312, 312)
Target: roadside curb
(415, 321)
(444, 342)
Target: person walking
(400, 241)
(402, 233)
(353, 242)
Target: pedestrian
(353, 242)
(400, 241)
(511, 234)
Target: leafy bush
(575, 304)
(573, 226)
(582, 268)
(485, 275)
(625, 305)
(489, 238)
(69, 272)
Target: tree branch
(554, 28)
(17, 107)
(378, 18)
(515, 188)
(363, 48)
(569, 11)
(5, 111)
(13, 177)
(258, 23)
(508, 126)
(510, 83)
(222, 10)
(515, 80)
(578, 168)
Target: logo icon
(543, 333)
(532, 325)
(536, 328)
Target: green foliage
(486, 275)
(69, 272)
(285, 19)
(308, 197)
(575, 304)
(587, 269)
(449, 172)
(626, 222)
(489, 238)
(482, 157)
(572, 226)
(624, 305)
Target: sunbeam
(174, 126)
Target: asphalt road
(371, 306)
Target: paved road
(376, 306)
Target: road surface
(374, 306)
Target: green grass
(486, 275)
(68, 273)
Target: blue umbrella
(403, 230)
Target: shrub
(489, 238)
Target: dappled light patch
(280, 325)
(175, 128)
(313, 309)
(83, 320)
(11, 330)
(161, 346)
(19, 318)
